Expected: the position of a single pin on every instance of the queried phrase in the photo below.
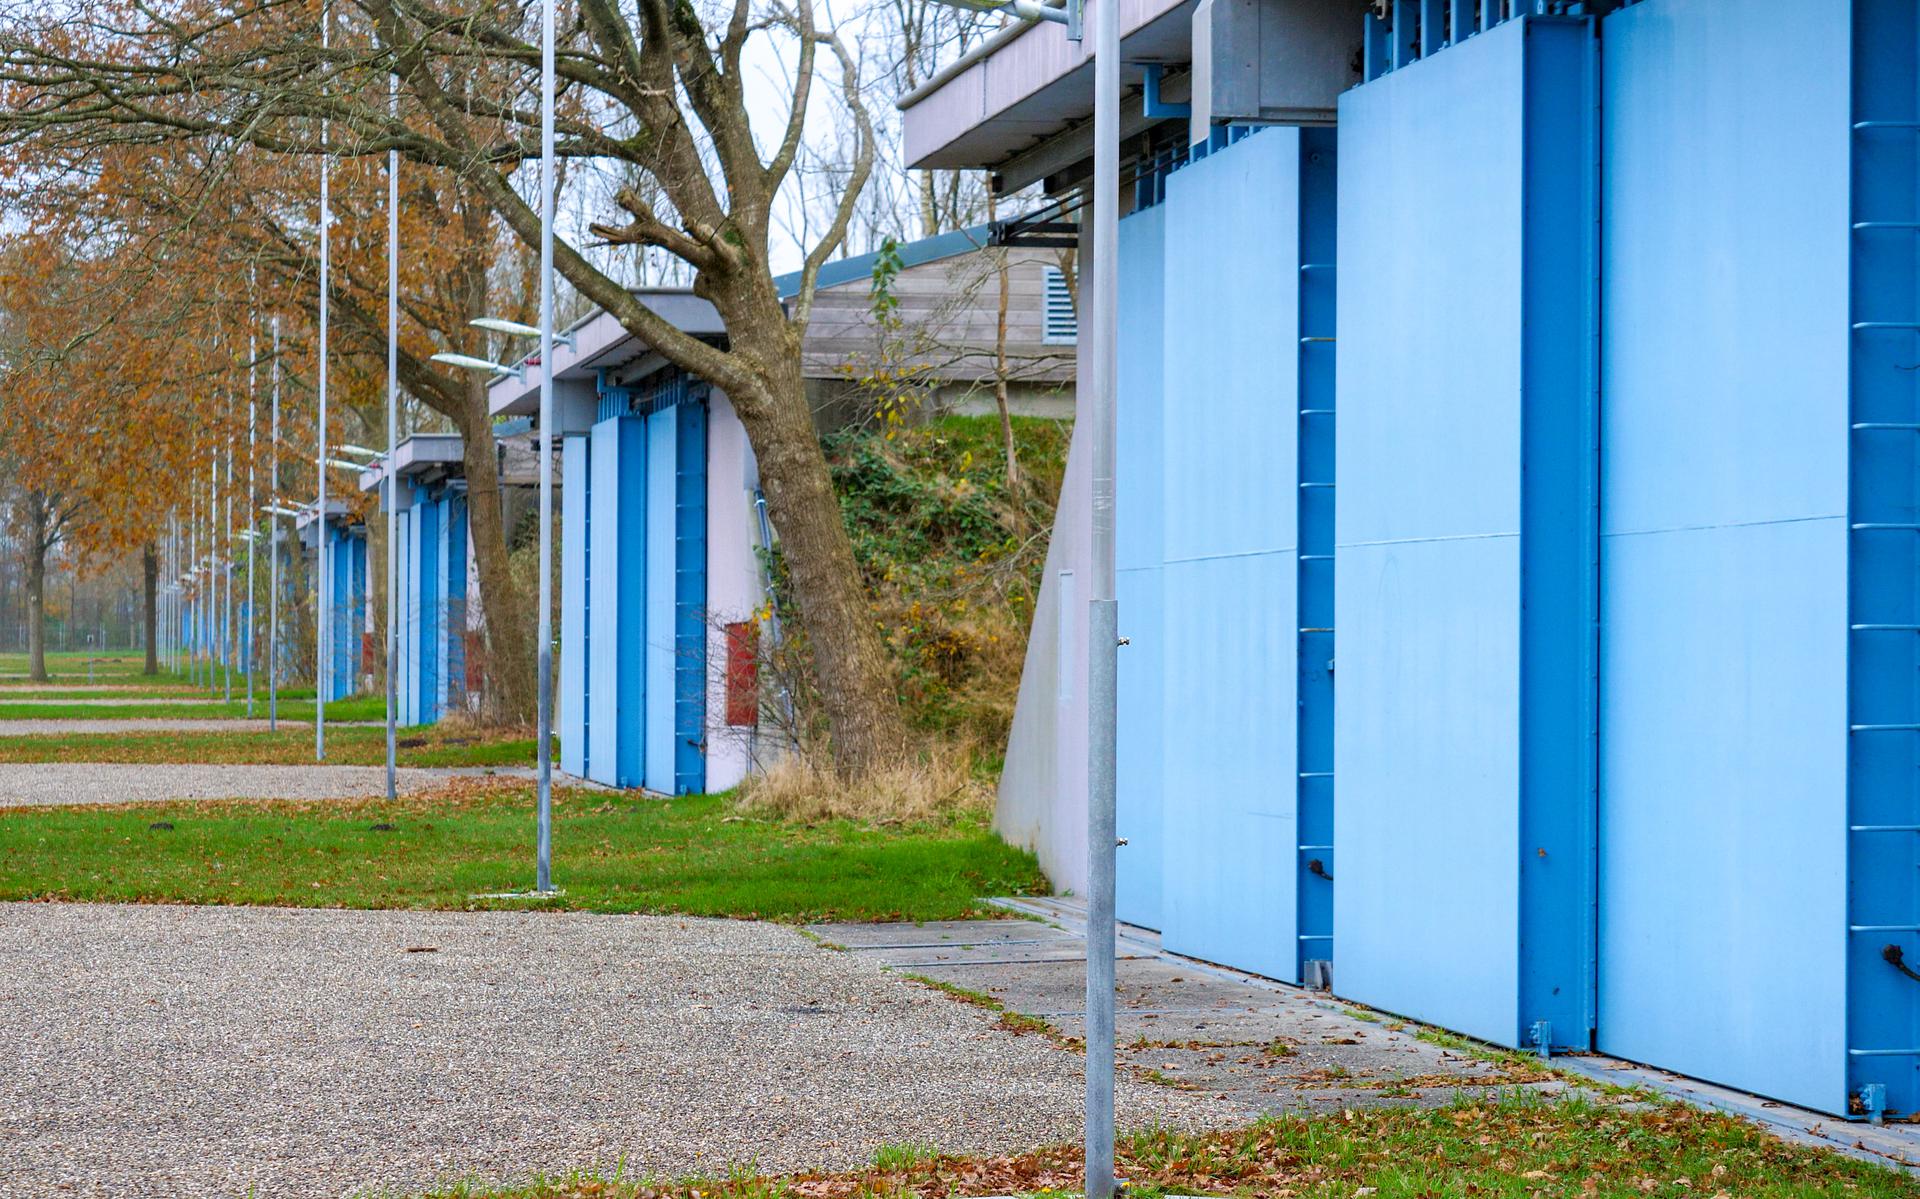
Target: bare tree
(650, 87)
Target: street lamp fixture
(494, 324)
(481, 364)
(361, 450)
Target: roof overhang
(600, 342)
(308, 513)
(424, 456)
(1028, 87)
(1021, 103)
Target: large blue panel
(575, 504)
(662, 442)
(1723, 680)
(1464, 534)
(453, 680)
(603, 622)
(690, 598)
(625, 509)
(1139, 553)
(1231, 488)
(427, 561)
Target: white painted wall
(1043, 786)
(733, 581)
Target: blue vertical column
(1139, 556)
(1229, 433)
(618, 623)
(430, 620)
(1724, 546)
(661, 562)
(1883, 795)
(1464, 535)
(576, 601)
(1313, 734)
(454, 679)
(407, 605)
(690, 598)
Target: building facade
(1517, 514)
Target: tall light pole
(251, 507)
(393, 433)
(273, 549)
(543, 851)
(322, 622)
(227, 623)
(1103, 625)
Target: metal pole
(273, 548)
(322, 624)
(393, 432)
(253, 502)
(193, 594)
(227, 623)
(1103, 608)
(213, 570)
(544, 848)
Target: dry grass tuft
(937, 785)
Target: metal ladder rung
(1316, 557)
(1899, 426)
(1307, 341)
(1316, 412)
(1883, 828)
(1316, 936)
(1315, 848)
(1865, 225)
(1304, 486)
(1883, 928)
(1316, 774)
(1315, 266)
(1886, 628)
(1885, 527)
(1886, 325)
(1883, 728)
(1886, 124)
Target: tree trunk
(509, 688)
(150, 581)
(849, 662)
(38, 520)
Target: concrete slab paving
(43, 784)
(1260, 1047)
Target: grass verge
(359, 707)
(1521, 1147)
(291, 745)
(612, 853)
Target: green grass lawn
(358, 707)
(612, 853)
(1522, 1147)
(291, 745)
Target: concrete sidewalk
(1257, 1046)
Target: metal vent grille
(1062, 322)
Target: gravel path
(180, 1051)
(142, 724)
(123, 701)
(43, 783)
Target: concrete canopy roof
(1027, 89)
(424, 455)
(336, 512)
(601, 342)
